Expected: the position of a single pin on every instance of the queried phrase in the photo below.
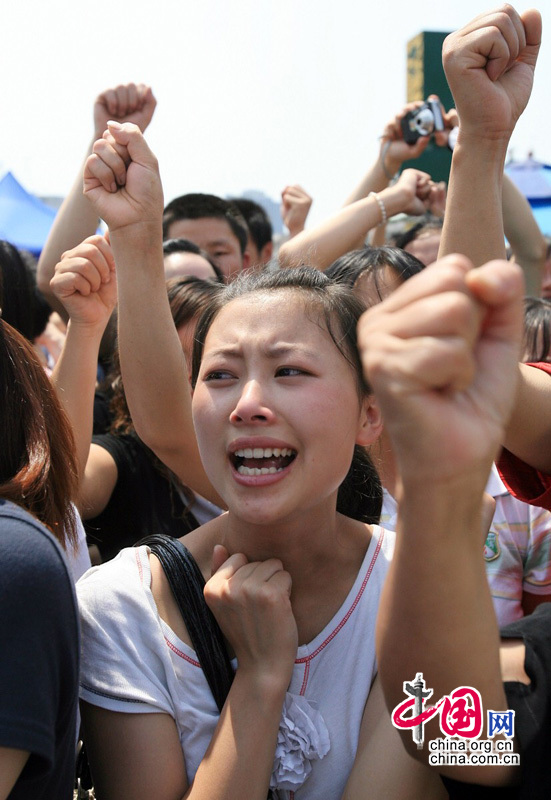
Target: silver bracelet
(382, 207)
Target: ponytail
(361, 494)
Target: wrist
(489, 151)
(460, 489)
(395, 198)
(294, 230)
(137, 235)
(382, 207)
(455, 502)
(388, 163)
(87, 330)
(267, 684)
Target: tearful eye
(218, 375)
(289, 372)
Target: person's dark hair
(42, 313)
(185, 246)
(257, 221)
(18, 302)
(537, 329)
(360, 494)
(198, 206)
(348, 269)
(427, 224)
(38, 467)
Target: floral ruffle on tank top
(302, 739)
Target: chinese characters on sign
(461, 722)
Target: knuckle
(211, 592)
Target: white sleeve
(79, 557)
(125, 665)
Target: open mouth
(262, 460)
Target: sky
(252, 94)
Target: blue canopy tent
(25, 221)
(534, 180)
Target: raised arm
(320, 246)
(490, 68)
(295, 207)
(524, 236)
(153, 366)
(77, 218)
(489, 65)
(441, 353)
(393, 152)
(85, 283)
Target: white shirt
(132, 662)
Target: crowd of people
(249, 496)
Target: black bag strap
(187, 583)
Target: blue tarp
(534, 180)
(25, 221)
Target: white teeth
(255, 471)
(263, 452)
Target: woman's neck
(317, 550)
(296, 541)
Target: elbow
(532, 251)
(43, 281)
(284, 256)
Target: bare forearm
(74, 378)
(436, 614)
(239, 760)
(153, 366)
(74, 222)
(528, 434)
(375, 180)
(524, 236)
(320, 246)
(473, 224)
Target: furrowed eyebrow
(271, 351)
(289, 350)
(228, 350)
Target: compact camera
(422, 121)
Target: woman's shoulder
(125, 660)
(28, 548)
(124, 579)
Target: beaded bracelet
(382, 207)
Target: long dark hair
(360, 494)
(19, 287)
(348, 269)
(37, 452)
